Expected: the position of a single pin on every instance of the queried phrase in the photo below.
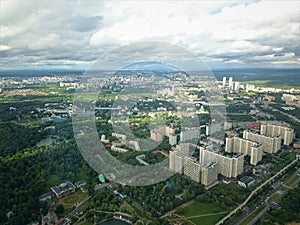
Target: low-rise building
(46, 196)
(80, 184)
(118, 149)
(259, 171)
(246, 182)
(63, 189)
(119, 136)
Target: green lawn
(71, 199)
(204, 213)
(208, 220)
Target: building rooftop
(80, 183)
(63, 187)
(45, 196)
(209, 165)
(246, 180)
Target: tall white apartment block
(173, 139)
(192, 169)
(209, 174)
(228, 166)
(189, 134)
(287, 134)
(230, 82)
(224, 82)
(247, 147)
(270, 144)
(236, 86)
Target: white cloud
(4, 47)
(234, 32)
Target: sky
(223, 34)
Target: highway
(254, 192)
(266, 201)
(277, 200)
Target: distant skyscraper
(230, 81)
(237, 86)
(232, 87)
(224, 81)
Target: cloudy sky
(224, 34)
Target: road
(254, 192)
(286, 114)
(277, 200)
(278, 191)
(80, 207)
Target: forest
(27, 171)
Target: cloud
(85, 23)
(237, 32)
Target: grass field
(203, 213)
(71, 199)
